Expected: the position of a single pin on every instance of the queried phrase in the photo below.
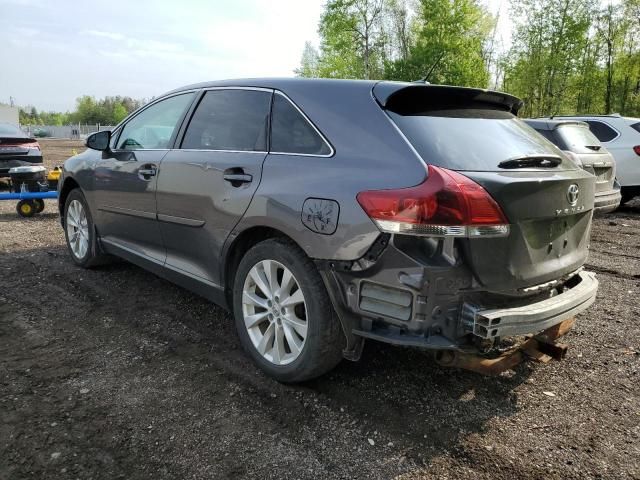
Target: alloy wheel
(274, 311)
(77, 229)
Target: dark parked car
(577, 141)
(324, 212)
(17, 149)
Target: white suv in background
(621, 136)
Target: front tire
(80, 231)
(283, 315)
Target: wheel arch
(240, 245)
(69, 184)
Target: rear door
(126, 178)
(207, 183)
(547, 199)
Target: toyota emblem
(572, 194)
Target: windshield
(474, 140)
(578, 138)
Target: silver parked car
(577, 141)
(326, 212)
(621, 137)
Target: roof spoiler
(400, 96)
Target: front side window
(153, 127)
(602, 131)
(231, 120)
(292, 133)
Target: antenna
(433, 67)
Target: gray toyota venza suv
(325, 212)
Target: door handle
(238, 179)
(147, 171)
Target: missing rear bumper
(534, 317)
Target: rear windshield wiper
(544, 161)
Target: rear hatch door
(595, 159)
(546, 197)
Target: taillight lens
(637, 149)
(30, 145)
(446, 203)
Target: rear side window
(292, 133)
(602, 131)
(473, 139)
(232, 120)
(578, 139)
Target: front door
(126, 178)
(207, 184)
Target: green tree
(309, 62)
(352, 39)
(119, 113)
(448, 44)
(612, 27)
(575, 56)
(402, 40)
(548, 45)
(86, 110)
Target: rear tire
(80, 232)
(283, 314)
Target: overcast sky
(53, 51)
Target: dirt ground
(115, 373)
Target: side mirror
(99, 140)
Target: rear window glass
(636, 126)
(602, 131)
(473, 139)
(7, 129)
(578, 139)
(292, 133)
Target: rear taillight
(637, 149)
(30, 145)
(446, 203)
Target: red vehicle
(17, 149)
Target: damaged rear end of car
(488, 247)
